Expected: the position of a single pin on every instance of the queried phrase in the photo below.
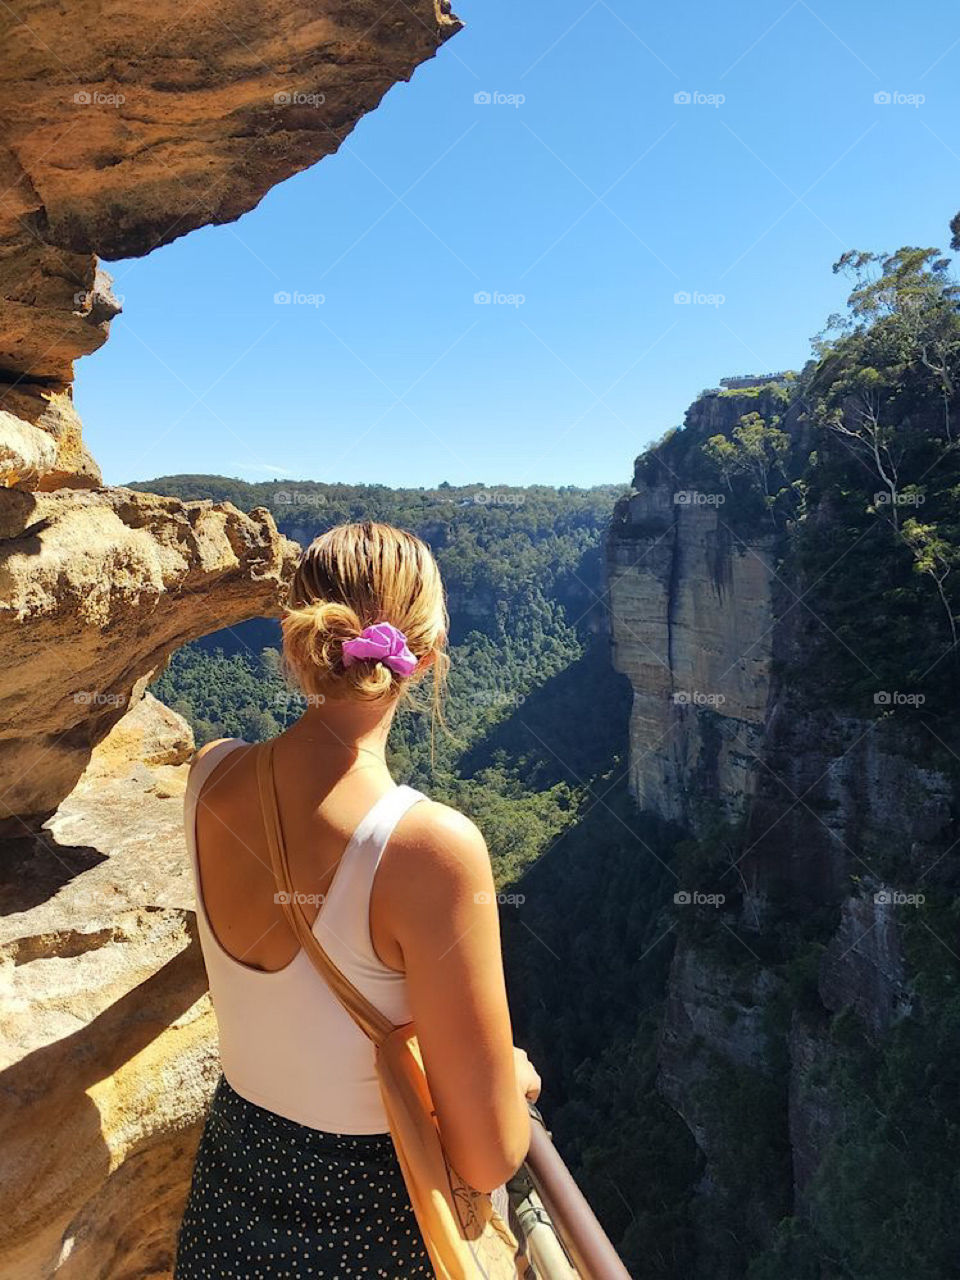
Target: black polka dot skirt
(273, 1198)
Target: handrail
(542, 1247)
(574, 1222)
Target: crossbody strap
(366, 1015)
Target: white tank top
(286, 1043)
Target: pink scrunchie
(382, 642)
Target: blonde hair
(352, 577)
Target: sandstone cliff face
(96, 588)
(690, 604)
(703, 623)
(107, 1055)
(127, 125)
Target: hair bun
(351, 578)
(313, 638)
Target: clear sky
(596, 198)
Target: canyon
(791, 812)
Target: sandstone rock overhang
(122, 127)
(96, 589)
(128, 125)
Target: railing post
(552, 1188)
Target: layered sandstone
(690, 603)
(107, 1055)
(96, 588)
(128, 125)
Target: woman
(296, 1173)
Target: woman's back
(286, 1043)
(323, 792)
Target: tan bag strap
(367, 1017)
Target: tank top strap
(200, 771)
(372, 835)
(343, 923)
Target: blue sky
(595, 199)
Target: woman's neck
(346, 725)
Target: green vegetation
(588, 953)
(885, 469)
(850, 476)
(534, 710)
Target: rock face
(128, 125)
(691, 607)
(125, 126)
(703, 623)
(96, 588)
(123, 129)
(41, 442)
(107, 1055)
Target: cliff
(691, 607)
(810, 826)
(108, 1051)
(96, 588)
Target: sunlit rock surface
(126, 125)
(96, 588)
(107, 1051)
(691, 609)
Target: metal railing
(560, 1234)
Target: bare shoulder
(207, 749)
(437, 844)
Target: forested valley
(826, 1150)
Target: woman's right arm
(443, 914)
